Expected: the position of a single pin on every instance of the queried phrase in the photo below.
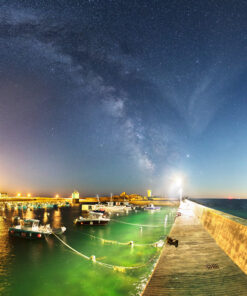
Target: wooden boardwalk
(197, 267)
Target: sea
(235, 207)
(49, 267)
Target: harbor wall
(230, 235)
(155, 203)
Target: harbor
(85, 259)
(142, 249)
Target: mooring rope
(139, 225)
(68, 246)
(93, 259)
(131, 243)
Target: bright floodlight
(29, 195)
(57, 195)
(178, 182)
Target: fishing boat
(110, 207)
(30, 229)
(138, 208)
(99, 211)
(151, 207)
(93, 218)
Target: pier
(198, 266)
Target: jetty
(199, 266)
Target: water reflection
(45, 217)
(5, 255)
(29, 214)
(44, 260)
(57, 218)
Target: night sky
(110, 96)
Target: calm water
(47, 267)
(236, 207)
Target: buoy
(119, 268)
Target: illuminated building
(3, 194)
(75, 196)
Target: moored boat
(30, 229)
(151, 207)
(94, 218)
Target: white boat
(30, 229)
(151, 207)
(109, 208)
(93, 218)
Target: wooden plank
(197, 267)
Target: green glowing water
(47, 267)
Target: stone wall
(228, 234)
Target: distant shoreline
(143, 201)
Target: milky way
(106, 96)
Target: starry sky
(109, 96)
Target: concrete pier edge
(201, 236)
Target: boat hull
(92, 223)
(26, 234)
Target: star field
(110, 96)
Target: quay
(198, 266)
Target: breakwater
(229, 232)
(198, 266)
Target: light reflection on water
(6, 256)
(55, 270)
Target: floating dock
(198, 266)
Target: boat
(151, 207)
(99, 211)
(30, 229)
(110, 207)
(93, 218)
(138, 208)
